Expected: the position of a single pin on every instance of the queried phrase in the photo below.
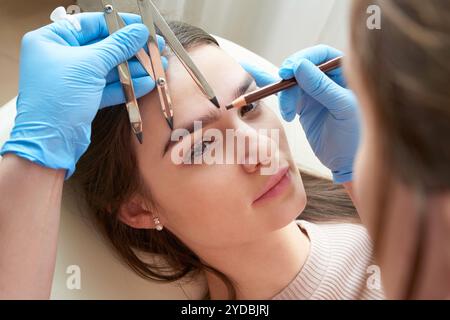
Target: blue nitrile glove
(65, 77)
(328, 111)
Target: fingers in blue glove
(93, 27)
(120, 46)
(143, 84)
(290, 103)
(317, 55)
(161, 43)
(319, 86)
(136, 70)
(261, 77)
(113, 93)
(288, 98)
(123, 44)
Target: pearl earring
(158, 224)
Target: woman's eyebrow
(244, 87)
(189, 128)
(213, 116)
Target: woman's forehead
(221, 71)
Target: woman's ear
(135, 214)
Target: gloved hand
(328, 111)
(65, 77)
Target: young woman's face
(215, 205)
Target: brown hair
(108, 175)
(405, 67)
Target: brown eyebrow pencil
(269, 90)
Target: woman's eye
(248, 109)
(199, 149)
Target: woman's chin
(284, 211)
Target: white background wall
(272, 28)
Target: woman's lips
(275, 186)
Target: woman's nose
(256, 150)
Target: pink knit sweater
(339, 265)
